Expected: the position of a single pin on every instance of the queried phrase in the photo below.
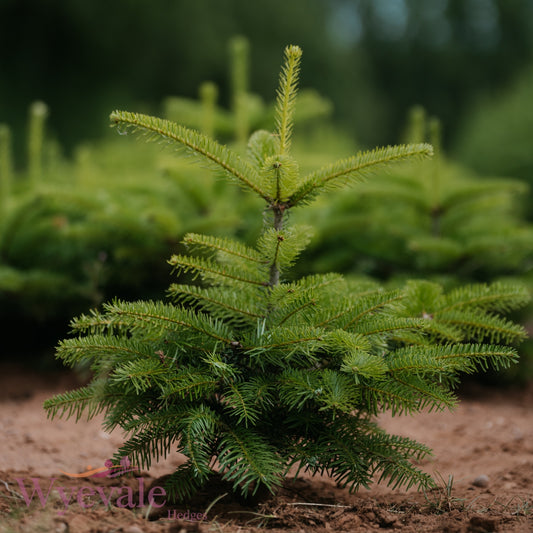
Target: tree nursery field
(317, 362)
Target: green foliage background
(373, 58)
(497, 134)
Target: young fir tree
(249, 374)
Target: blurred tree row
(441, 54)
(85, 58)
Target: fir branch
(196, 143)
(346, 342)
(291, 343)
(283, 247)
(281, 173)
(429, 360)
(297, 387)
(344, 462)
(129, 406)
(160, 317)
(241, 404)
(286, 100)
(150, 444)
(224, 245)
(199, 429)
(352, 311)
(298, 310)
(387, 459)
(222, 303)
(109, 347)
(359, 363)
(190, 384)
(499, 296)
(386, 324)
(478, 354)
(262, 145)
(481, 325)
(260, 390)
(93, 323)
(339, 393)
(184, 482)
(247, 460)
(90, 400)
(428, 395)
(141, 375)
(220, 367)
(393, 456)
(354, 168)
(372, 303)
(211, 271)
(389, 395)
(314, 286)
(142, 419)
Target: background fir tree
(76, 232)
(248, 111)
(495, 136)
(432, 219)
(250, 374)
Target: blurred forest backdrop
(373, 58)
(85, 217)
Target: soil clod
(481, 481)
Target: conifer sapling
(250, 374)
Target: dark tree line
(388, 55)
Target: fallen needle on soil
(321, 504)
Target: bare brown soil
(483, 457)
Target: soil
(483, 462)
